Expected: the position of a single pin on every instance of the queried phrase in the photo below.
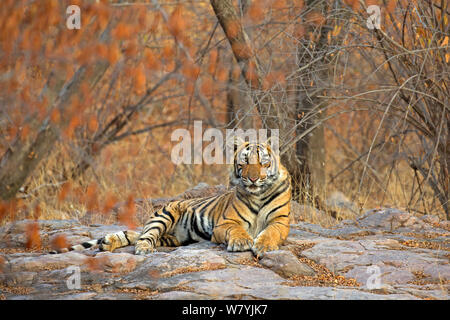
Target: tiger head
(256, 167)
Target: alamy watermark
(73, 282)
(374, 20)
(220, 150)
(374, 280)
(73, 20)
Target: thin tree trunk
(250, 68)
(310, 151)
(239, 102)
(265, 103)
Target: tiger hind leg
(158, 229)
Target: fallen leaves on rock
(424, 245)
(16, 290)
(2, 263)
(204, 267)
(250, 262)
(59, 242)
(323, 277)
(140, 294)
(96, 264)
(33, 236)
(423, 279)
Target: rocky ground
(382, 254)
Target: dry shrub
(33, 237)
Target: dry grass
(391, 183)
(134, 168)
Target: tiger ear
(267, 142)
(235, 141)
(272, 143)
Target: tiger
(252, 215)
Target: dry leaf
(33, 236)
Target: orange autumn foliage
(190, 70)
(176, 23)
(75, 121)
(92, 197)
(93, 123)
(127, 215)
(37, 212)
(2, 264)
(96, 264)
(55, 116)
(392, 4)
(236, 72)
(65, 189)
(256, 11)
(3, 210)
(212, 61)
(8, 208)
(354, 4)
(113, 53)
(109, 203)
(273, 78)
(168, 52)
(279, 4)
(315, 18)
(33, 238)
(222, 74)
(140, 79)
(207, 87)
(242, 50)
(233, 29)
(101, 50)
(150, 60)
(59, 242)
(122, 31)
(25, 132)
(299, 31)
(155, 23)
(131, 48)
(251, 74)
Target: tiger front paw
(241, 243)
(262, 245)
(143, 247)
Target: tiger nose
(253, 179)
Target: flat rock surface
(383, 254)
